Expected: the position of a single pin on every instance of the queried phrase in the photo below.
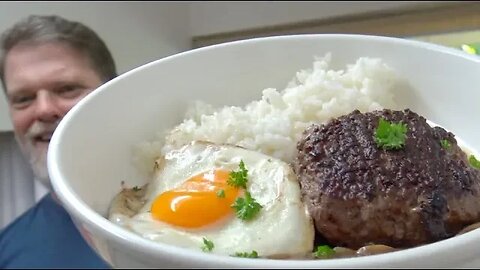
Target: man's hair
(35, 30)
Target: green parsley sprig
(390, 136)
(221, 193)
(246, 208)
(474, 162)
(445, 144)
(238, 178)
(207, 245)
(323, 252)
(252, 254)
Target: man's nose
(47, 107)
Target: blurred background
(140, 32)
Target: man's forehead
(30, 64)
(44, 49)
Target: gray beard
(40, 169)
(38, 165)
(38, 161)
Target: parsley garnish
(390, 135)
(207, 245)
(221, 193)
(136, 188)
(474, 162)
(246, 208)
(324, 251)
(445, 144)
(238, 178)
(252, 254)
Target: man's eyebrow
(51, 86)
(16, 92)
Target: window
(451, 24)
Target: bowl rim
(96, 222)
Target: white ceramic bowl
(90, 152)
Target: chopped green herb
(445, 144)
(474, 162)
(324, 251)
(207, 245)
(252, 254)
(221, 193)
(238, 178)
(246, 208)
(390, 135)
(136, 188)
(156, 166)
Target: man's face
(43, 83)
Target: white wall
(140, 32)
(135, 32)
(216, 17)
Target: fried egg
(190, 200)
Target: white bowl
(90, 152)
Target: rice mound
(273, 124)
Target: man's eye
(20, 101)
(67, 90)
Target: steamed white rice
(274, 123)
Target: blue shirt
(45, 237)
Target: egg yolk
(197, 202)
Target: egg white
(283, 227)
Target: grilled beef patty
(359, 193)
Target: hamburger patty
(359, 193)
